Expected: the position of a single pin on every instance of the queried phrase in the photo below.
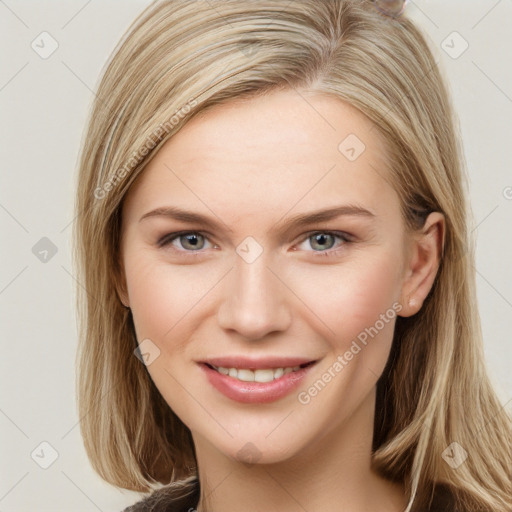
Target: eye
(188, 241)
(322, 242)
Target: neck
(332, 473)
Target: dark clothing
(158, 501)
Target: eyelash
(167, 239)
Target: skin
(251, 165)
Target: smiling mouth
(258, 375)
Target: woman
(226, 355)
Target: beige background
(44, 102)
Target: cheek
(162, 296)
(348, 298)
(360, 307)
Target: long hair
(182, 57)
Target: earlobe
(421, 269)
(125, 303)
(123, 296)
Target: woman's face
(265, 235)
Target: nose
(254, 300)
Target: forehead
(283, 151)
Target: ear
(424, 258)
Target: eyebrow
(297, 221)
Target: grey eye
(321, 240)
(192, 241)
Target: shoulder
(157, 501)
(167, 499)
(443, 500)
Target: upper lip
(257, 363)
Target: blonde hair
(180, 58)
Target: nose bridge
(254, 301)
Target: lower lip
(255, 392)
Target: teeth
(263, 375)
